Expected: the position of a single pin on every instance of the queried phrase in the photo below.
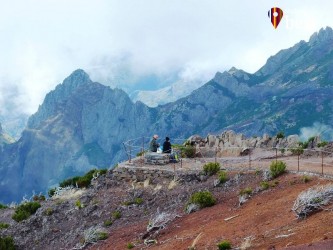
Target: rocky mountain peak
(61, 93)
(323, 35)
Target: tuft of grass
(306, 178)
(3, 226)
(108, 223)
(49, 211)
(137, 201)
(246, 191)
(78, 204)
(277, 168)
(264, 185)
(203, 199)
(116, 215)
(224, 245)
(25, 210)
(130, 245)
(7, 243)
(2, 206)
(102, 235)
(211, 168)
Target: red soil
(266, 220)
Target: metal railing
(315, 160)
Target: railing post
(298, 162)
(130, 152)
(275, 154)
(249, 158)
(322, 163)
(215, 155)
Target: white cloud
(41, 42)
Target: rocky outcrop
(230, 143)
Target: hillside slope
(264, 221)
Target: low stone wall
(141, 174)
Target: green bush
(2, 206)
(82, 181)
(7, 243)
(51, 192)
(223, 245)
(297, 151)
(203, 199)
(116, 215)
(3, 226)
(280, 135)
(322, 144)
(246, 191)
(130, 245)
(23, 211)
(277, 168)
(188, 152)
(223, 176)
(211, 168)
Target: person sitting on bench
(167, 146)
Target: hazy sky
(43, 41)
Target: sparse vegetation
(224, 245)
(78, 204)
(305, 178)
(136, 201)
(246, 191)
(203, 199)
(322, 144)
(7, 243)
(51, 192)
(211, 168)
(264, 185)
(49, 211)
(188, 152)
(2, 206)
(108, 223)
(130, 245)
(82, 181)
(3, 226)
(116, 215)
(25, 210)
(313, 200)
(297, 151)
(38, 197)
(280, 135)
(102, 235)
(223, 176)
(277, 168)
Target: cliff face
(82, 124)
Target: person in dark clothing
(167, 146)
(153, 144)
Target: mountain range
(82, 124)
